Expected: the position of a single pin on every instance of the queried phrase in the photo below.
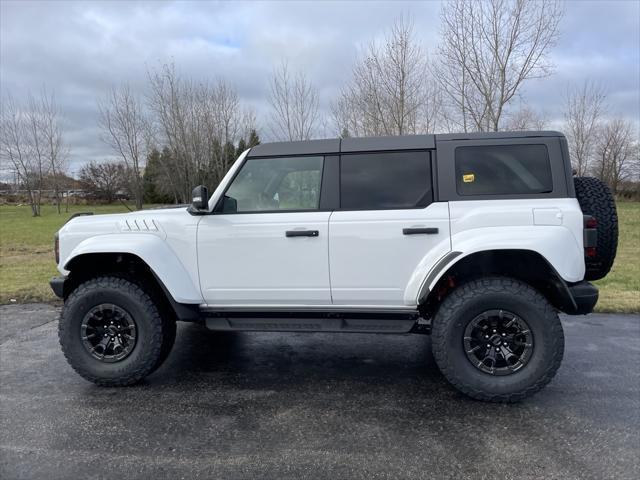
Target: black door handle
(302, 233)
(419, 231)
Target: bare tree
(37, 147)
(391, 91)
(44, 124)
(21, 147)
(617, 152)
(125, 130)
(525, 118)
(103, 180)
(294, 104)
(177, 111)
(584, 109)
(198, 123)
(488, 50)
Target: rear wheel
(497, 339)
(595, 199)
(112, 332)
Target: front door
(268, 243)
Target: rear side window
(503, 170)
(380, 181)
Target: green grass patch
(620, 290)
(27, 262)
(26, 249)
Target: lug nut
(504, 334)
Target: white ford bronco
(478, 239)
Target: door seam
(329, 256)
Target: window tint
(385, 180)
(269, 184)
(503, 170)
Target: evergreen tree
(151, 179)
(242, 146)
(254, 139)
(228, 155)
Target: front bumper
(585, 297)
(57, 285)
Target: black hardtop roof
(371, 144)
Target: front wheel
(112, 332)
(497, 339)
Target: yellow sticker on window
(468, 177)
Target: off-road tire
(469, 300)
(169, 327)
(595, 199)
(153, 341)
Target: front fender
(154, 251)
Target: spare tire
(595, 199)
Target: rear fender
(556, 244)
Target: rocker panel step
(319, 324)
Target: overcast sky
(78, 49)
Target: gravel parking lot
(295, 405)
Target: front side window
(273, 184)
(503, 170)
(379, 181)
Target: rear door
(267, 244)
(387, 228)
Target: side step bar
(312, 321)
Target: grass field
(27, 263)
(26, 249)
(620, 290)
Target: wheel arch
(152, 250)
(85, 266)
(528, 266)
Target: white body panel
(165, 239)
(551, 227)
(372, 261)
(246, 259)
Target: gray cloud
(79, 49)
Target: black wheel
(112, 333)
(595, 199)
(497, 339)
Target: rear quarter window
(503, 170)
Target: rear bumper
(585, 297)
(57, 285)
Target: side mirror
(200, 198)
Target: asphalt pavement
(299, 405)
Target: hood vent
(140, 225)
